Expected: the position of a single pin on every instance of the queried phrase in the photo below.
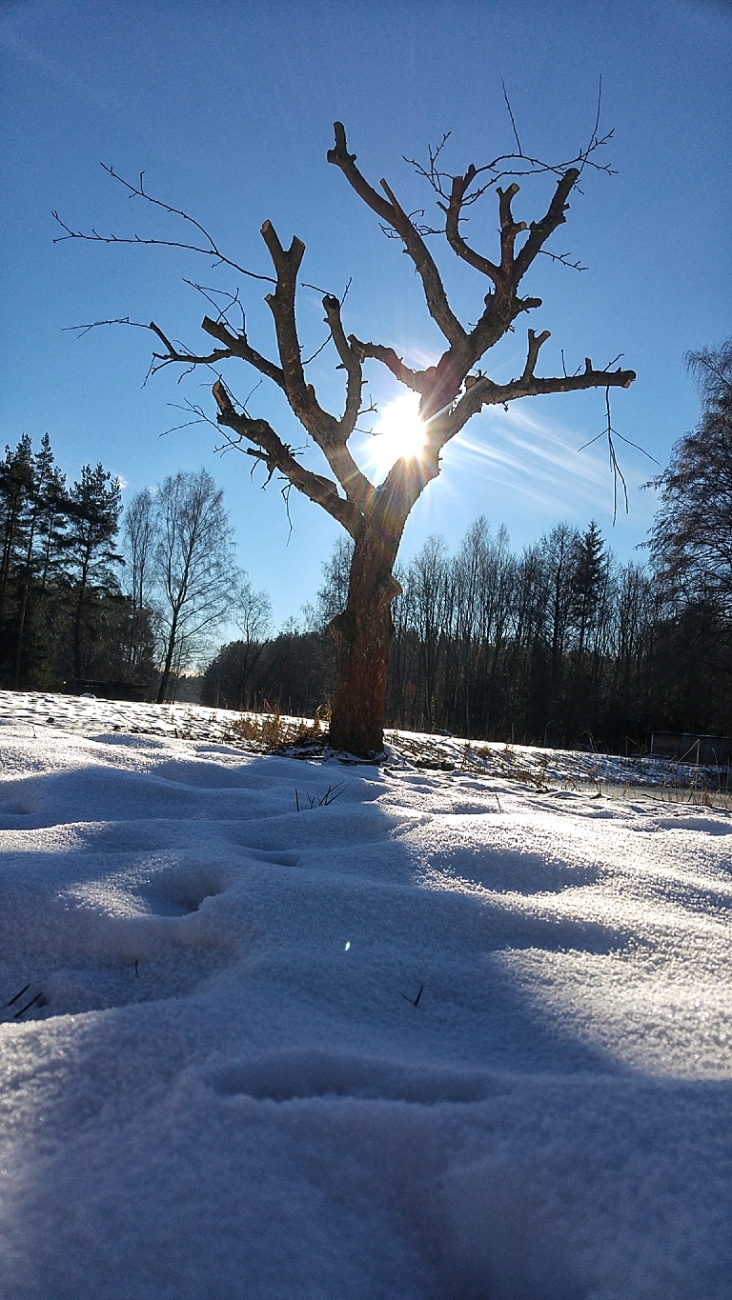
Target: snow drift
(443, 1036)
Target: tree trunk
(21, 630)
(79, 614)
(363, 635)
(168, 665)
(27, 578)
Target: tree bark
(363, 634)
(79, 613)
(27, 576)
(168, 665)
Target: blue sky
(228, 107)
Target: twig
(609, 432)
(414, 1001)
(28, 1005)
(18, 995)
(510, 114)
(138, 191)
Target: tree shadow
(304, 932)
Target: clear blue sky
(228, 106)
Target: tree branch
(351, 362)
(541, 230)
(279, 456)
(503, 306)
(484, 392)
(414, 379)
(354, 483)
(238, 346)
(518, 163)
(510, 228)
(393, 214)
(452, 227)
(320, 424)
(535, 342)
(210, 250)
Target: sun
(399, 433)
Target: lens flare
(399, 433)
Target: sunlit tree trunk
(363, 634)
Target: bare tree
(140, 532)
(182, 557)
(450, 392)
(252, 613)
(332, 596)
(691, 540)
(428, 582)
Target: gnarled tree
(450, 393)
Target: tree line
(558, 645)
(91, 597)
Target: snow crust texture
(276, 1029)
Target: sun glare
(398, 433)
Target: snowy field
(276, 1029)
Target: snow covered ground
(277, 1029)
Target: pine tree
(590, 564)
(43, 542)
(16, 489)
(94, 506)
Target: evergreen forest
(64, 614)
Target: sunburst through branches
(398, 433)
